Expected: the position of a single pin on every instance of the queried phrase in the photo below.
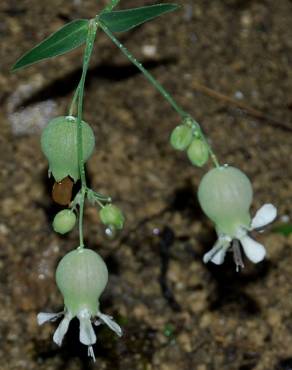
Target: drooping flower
(81, 277)
(225, 195)
(59, 145)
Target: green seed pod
(64, 221)
(59, 144)
(225, 195)
(111, 215)
(198, 152)
(181, 137)
(82, 277)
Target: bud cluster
(187, 137)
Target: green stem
(210, 150)
(80, 94)
(78, 101)
(184, 115)
(149, 77)
(81, 213)
(74, 102)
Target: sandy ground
(176, 312)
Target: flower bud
(59, 144)
(225, 195)
(64, 221)
(111, 215)
(181, 137)
(198, 152)
(81, 277)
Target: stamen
(237, 256)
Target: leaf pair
(74, 34)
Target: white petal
(43, 317)
(61, 330)
(265, 215)
(218, 257)
(254, 251)
(86, 334)
(217, 253)
(110, 323)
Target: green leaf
(69, 37)
(284, 229)
(124, 20)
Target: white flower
(253, 250)
(225, 195)
(81, 277)
(86, 333)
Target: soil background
(176, 312)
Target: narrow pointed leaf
(124, 20)
(68, 37)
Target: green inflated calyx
(64, 221)
(198, 152)
(181, 137)
(111, 215)
(81, 277)
(59, 144)
(225, 195)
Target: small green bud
(64, 221)
(181, 137)
(59, 144)
(111, 215)
(198, 152)
(225, 195)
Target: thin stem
(149, 77)
(81, 213)
(210, 150)
(80, 94)
(184, 115)
(74, 102)
(108, 8)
